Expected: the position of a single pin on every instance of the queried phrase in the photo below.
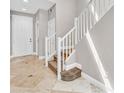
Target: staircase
(56, 58)
(67, 75)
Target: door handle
(30, 40)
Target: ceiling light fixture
(26, 1)
(24, 9)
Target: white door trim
(37, 36)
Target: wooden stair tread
(71, 74)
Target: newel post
(59, 58)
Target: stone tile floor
(47, 79)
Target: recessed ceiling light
(24, 9)
(26, 1)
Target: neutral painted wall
(42, 17)
(81, 5)
(103, 37)
(65, 13)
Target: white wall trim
(95, 82)
(68, 67)
(41, 57)
(34, 53)
(37, 35)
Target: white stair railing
(66, 46)
(95, 10)
(50, 48)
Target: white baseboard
(16, 56)
(41, 57)
(22, 55)
(35, 53)
(68, 67)
(95, 82)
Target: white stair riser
(68, 67)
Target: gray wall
(103, 37)
(81, 5)
(42, 16)
(65, 13)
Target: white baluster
(99, 9)
(50, 47)
(76, 31)
(86, 30)
(81, 27)
(66, 47)
(70, 40)
(63, 54)
(59, 59)
(69, 44)
(90, 19)
(73, 39)
(94, 14)
(84, 23)
(46, 52)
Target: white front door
(22, 35)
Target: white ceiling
(31, 7)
